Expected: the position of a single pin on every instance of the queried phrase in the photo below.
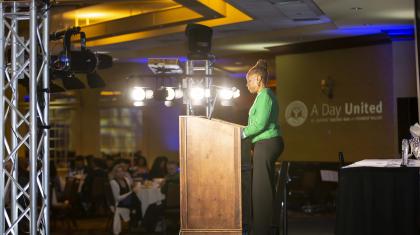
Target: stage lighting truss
(195, 89)
(198, 94)
(201, 91)
(161, 66)
(140, 95)
(24, 55)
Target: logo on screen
(296, 113)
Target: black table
(378, 201)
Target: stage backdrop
(358, 119)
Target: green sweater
(263, 117)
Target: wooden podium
(210, 161)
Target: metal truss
(192, 67)
(24, 204)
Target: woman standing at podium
(264, 132)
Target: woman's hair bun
(262, 64)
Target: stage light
(165, 94)
(225, 94)
(138, 94)
(207, 93)
(68, 62)
(226, 102)
(168, 103)
(197, 93)
(236, 93)
(170, 93)
(149, 94)
(139, 103)
(179, 93)
(229, 93)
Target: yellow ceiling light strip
(219, 5)
(129, 28)
(135, 36)
(109, 11)
(231, 15)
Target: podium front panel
(210, 177)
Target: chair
(172, 207)
(66, 207)
(98, 195)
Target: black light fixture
(73, 83)
(94, 80)
(164, 94)
(199, 41)
(68, 62)
(54, 88)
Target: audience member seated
(125, 164)
(79, 169)
(172, 178)
(140, 169)
(93, 190)
(159, 168)
(55, 183)
(109, 161)
(126, 200)
(170, 187)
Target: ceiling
(132, 30)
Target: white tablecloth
(149, 196)
(384, 163)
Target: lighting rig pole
(192, 66)
(24, 129)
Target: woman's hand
(242, 133)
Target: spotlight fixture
(139, 95)
(179, 93)
(68, 62)
(168, 103)
(196, 93)
(138, 103)
(227, 95)
(165, 94)
(170, 93)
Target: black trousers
(266, 152)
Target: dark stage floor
(299, 224)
